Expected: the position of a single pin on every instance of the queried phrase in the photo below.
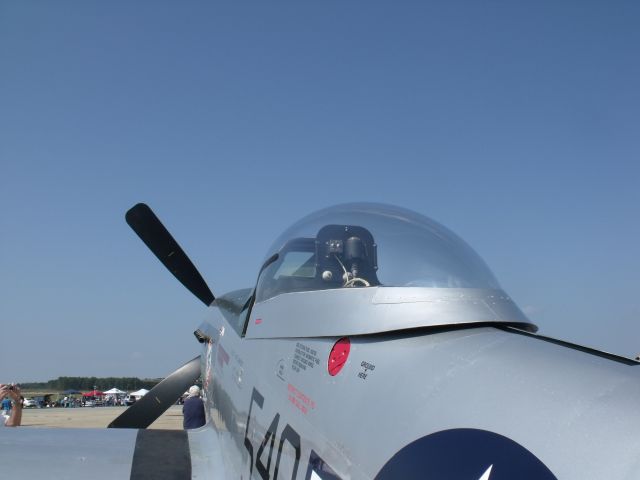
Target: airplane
(375, 344)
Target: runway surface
(92, 417)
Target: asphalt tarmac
(92, 417)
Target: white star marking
(487, 474)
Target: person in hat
(193, 410)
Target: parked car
(29, 403)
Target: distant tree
(88, 383)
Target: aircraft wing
(72, 454)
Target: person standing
(12, 393)
(193, 410)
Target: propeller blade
(146, 410)
(151, 231)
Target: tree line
(89, 383)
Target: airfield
(92, 417)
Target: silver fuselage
(421, 361)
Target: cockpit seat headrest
(346, 252)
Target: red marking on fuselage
(258, 321)
(338, 356)
(302, 402)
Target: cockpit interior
(369, 245)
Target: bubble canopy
(363, 245)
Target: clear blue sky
(515, 125)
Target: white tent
(114, 391)
(140, 393)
